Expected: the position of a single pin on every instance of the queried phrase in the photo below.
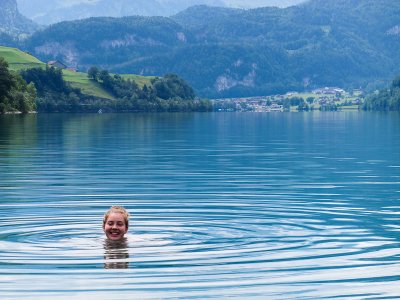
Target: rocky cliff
(12, 22)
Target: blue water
(223, 206)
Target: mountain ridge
(49, 12)
(225, 52)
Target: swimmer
(115, 223)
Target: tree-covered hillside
(27, 84)
(232, 52)
(15, 94)
(106, 41)
(385, 99)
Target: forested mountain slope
(233, 52)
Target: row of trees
(168, 93)
(45, 90)
(386, 99)
(15, 94)
(54, 94)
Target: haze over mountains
(52, 11)
(12, 22)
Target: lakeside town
(327, 98)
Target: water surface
(223, 205)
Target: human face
(115, 226)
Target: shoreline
(18, 112)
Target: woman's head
(116, 222)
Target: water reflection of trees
(116, 254)
(17, 132)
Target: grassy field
(88, 86)
(19, 60)
(343, 99)
(140, 80)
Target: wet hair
(119, 210)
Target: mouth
(114, 234)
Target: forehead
(116, 217)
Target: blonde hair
(117, 209)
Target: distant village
(327, 98)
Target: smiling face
(115, 226)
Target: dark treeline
(54, 94)
(15, 94)
(386, 99)
(45, 90)
(164, 94)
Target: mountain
(53, 11)
(12, 23)
(107, 41)
(225, 52)
(49, 12)
(246, 4)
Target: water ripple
(223, 206)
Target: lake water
(223, 205)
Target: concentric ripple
(222, 207)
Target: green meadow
(88, 86)
(19, 60)
(140, 80)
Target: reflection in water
(227, 206)
(116, 254)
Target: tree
(310, 100)
(386, 99)
(171, 86)
(45, 80)
(303, 106)
(396, 83)
(93, 73)
(106, 79)
(295, 101)
(162, 89)
(23, 95)
(6, 80)
(15, 93)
